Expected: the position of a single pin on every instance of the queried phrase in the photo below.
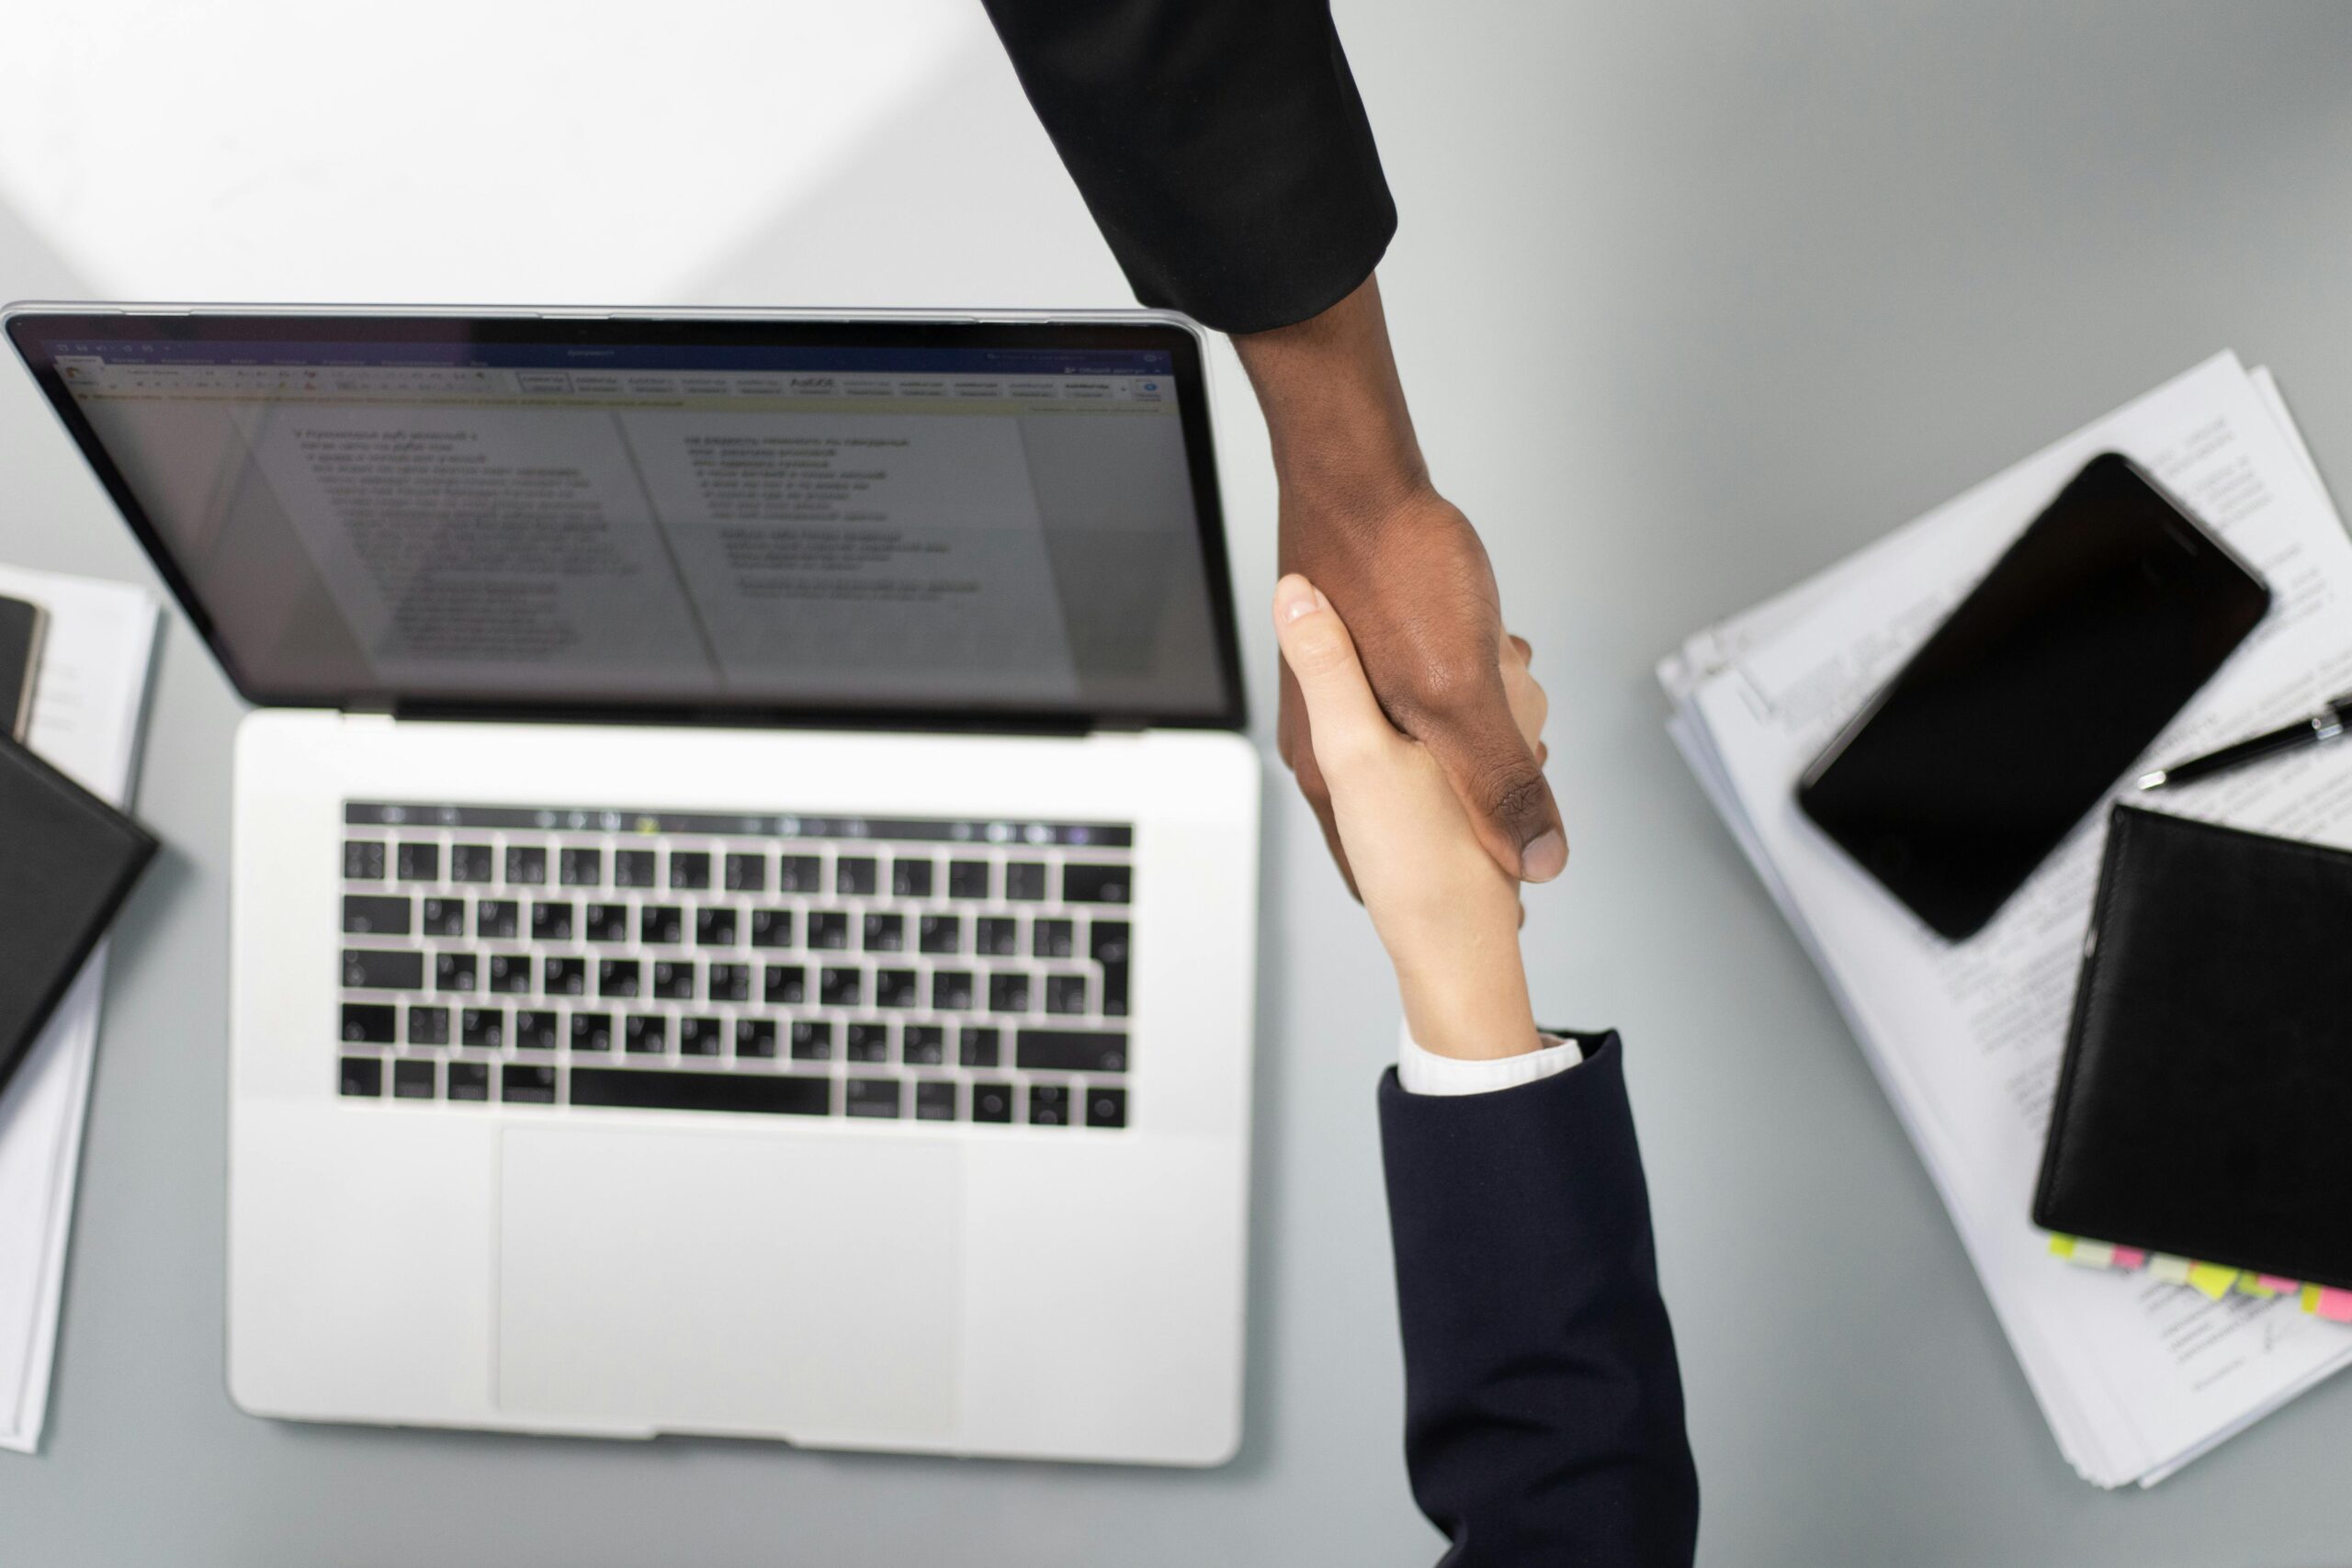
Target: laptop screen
(767, 517)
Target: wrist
(1344, 449)
(1349, 457)
(1326, 516)
(1476, 1011)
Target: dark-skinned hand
(1418, 598)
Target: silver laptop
(745, 863)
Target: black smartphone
(21, 624)
(2033, 697)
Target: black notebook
(67, 861)
(2206, 1093)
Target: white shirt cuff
(1426, 1072)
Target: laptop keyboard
(909, 969)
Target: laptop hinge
(947, 722)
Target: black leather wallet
(2206, 1093)
(67, 861)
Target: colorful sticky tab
(2211, 1279)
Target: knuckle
(1513, 791)
(1450, 683)
(1320, 651)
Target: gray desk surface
(1690, 302)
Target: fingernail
(1545, 858)
(1298, 597)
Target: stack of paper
(87, 702)
(2136, 1376)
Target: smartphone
(2036, 694)
(21, 625)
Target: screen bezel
(29, 327)
(2234, 596)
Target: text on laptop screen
(910, 529)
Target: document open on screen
(911, 533)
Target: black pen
(2325, 725)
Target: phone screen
(2037, 693)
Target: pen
(2325, 725)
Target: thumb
(1342, 713)
(1500, 779)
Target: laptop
(745, 875)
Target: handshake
(1444, 906)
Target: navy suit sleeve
(1220, 144)
(1544, 1408)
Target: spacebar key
(772, 1094)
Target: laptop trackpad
(806, 1288)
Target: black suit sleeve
(1543, 1409)
(1219, 143)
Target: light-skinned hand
(1446, 913)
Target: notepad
(86, 703)
(2134, 1378)
(2202, 1102)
